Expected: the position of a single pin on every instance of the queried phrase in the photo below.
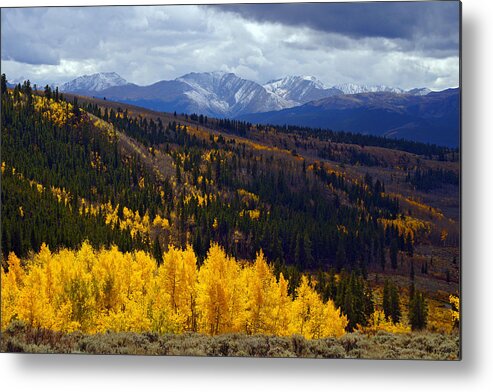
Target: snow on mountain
(303, 89)
(419, 91)
(94, 82)
(299, 89)
(351, 88)
(226, 94)
(220, 94)
(284, 85)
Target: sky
(400, 44)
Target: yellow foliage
(12, 284)
(195, 195)
(175, 290)
(378, 322)
(216, 289)
(105, 126)
(253, 214)
(247, 197)
(61, 194)
(431, 211)
(312, 318)
(342, 229)
(407, 225)
(107, 290)
(57, 112)
(160, 222)
(131, 220)
(443, 235)
(455, 311)
(262, 292)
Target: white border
(473, 373)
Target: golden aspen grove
(107, 290)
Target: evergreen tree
(47, 91)
(386, 299)
(157, 252)
(381, 252)
(390, 302)
(418, 311)
(393, 254)
(341, 254)
(409, 245)
(355, 299)
(395, 310)
(4, 84)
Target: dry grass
(424, 345)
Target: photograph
(232, 180)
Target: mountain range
(219, 94)
(431, 118)
(417, 114)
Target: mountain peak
(94, 82)
(298, 89)
(206, 75)
(419, 91)
(352, 88)
(290, 79)
(224, 94)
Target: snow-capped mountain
(226, 94)
(300, 89)
(94, 82)
(217, 94)
(220, 94)
(351, 88)
(419, 91)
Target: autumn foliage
(94, 291)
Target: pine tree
(395, 310)
(340, 254)
(409, 244)
(157, 252)
(386, 299)
(390, 302)
(393, 254)
(381, 252)
(47, 91)
(418, 311)
(4, 84)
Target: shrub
(18, 337)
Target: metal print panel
(264, 180)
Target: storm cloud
(392, 20)
(400, 44)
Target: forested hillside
(117, 218)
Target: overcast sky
(397, 44)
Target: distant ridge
(417, 114)
(218, 93)
(431, 118)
